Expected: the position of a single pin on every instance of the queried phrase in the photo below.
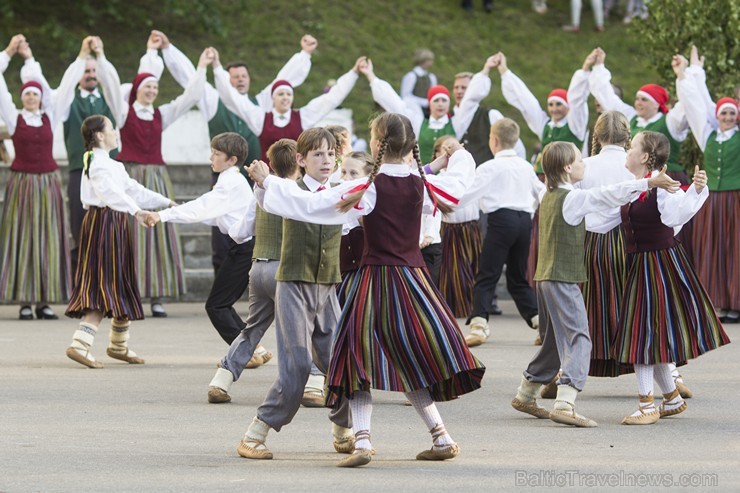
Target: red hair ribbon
(434, 191)
(358, 188)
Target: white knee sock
(361, 406)
(83, 338)
(662, 374)
(222, 379)
(425, 407)
(644, 375)
(674, 370)
(119, 337)
(257, 432)
(527, 391)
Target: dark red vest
(351, 249)
(33, 147)
(392, 228)
(141, 140)
(271, 134)
(643, 229)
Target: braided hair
(612, 128)
(91, 126)
(657, 147)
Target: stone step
(198, 282)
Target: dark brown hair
(90, 126)
(282, 157)
(657, 146)
(555, 157)
(312, 139)
(232, 144)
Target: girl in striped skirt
(159, 254)
(666, 314)
(396, 332)
(716, 231)
(461, 247)
(105, 284)
(34, 249)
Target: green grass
(265, 34)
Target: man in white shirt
(508, 191)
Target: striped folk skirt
(396, 333)
(159, 261)
(106, 269)
(666, 315)
(34, 240)
(461, 247)
(716, 243)
(606, 267)
(344, 286)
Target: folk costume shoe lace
(439, 452)
(672, 404)
(479, 332)
(564, 411)
(360, 456)
(250, 449)
(530, 407)
(646, 414)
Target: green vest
(555, 134)
(268, 235)
(310, 252)
(80, 109)
(660, 126)
(427, 138)
(561, 254)
(227, 121)
(722, 163)
(476, 138)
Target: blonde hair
(397, 140)
(612, 128)
(555, 157)
(507, 132)
(363, 157)
(341, 135)
(422, 55)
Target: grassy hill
(266, 33)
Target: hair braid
(349, 202)
(443, 207)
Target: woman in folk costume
(283, 122)
(141, 124)
(666, 315)
(395, 332)
(34, 246)
(429, 129)
(716, 244)
(105, 284)
(566, 119)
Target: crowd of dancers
(364, 261)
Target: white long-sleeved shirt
(578, 203)
(505, 182)
(701, 122)
(477, 91)
(224, 206)
(109, 185)
(409, 81)
(605, 168)
(53, 102)
(254, 116)
(294, 71)
(150, 63)
(284, 197)
(676, 209)
(519, 96)
(600, 84)
(431, 225)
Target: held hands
(96, 45)
(502, 67)
(14, 44)
(154, 42)
(600, 56)
(366, 69)
(662, 180)
(216, 60)
(700, 179)
(451, 146)
(258, 171)
(695, 58)
(679, 64)
(426, 242)
(491, 62)
(162, 36)
(590, 60)
(206, 58)
(24, 50)
(308, 43)
(360, 64)
(142, 217)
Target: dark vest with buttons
(227, 121)
(476, 138)
(141, 140)
(33, 147)
(271, 133)
(722, 163)
(310, 252)
(392, 228)
(643, 229)
(351, 248)
(80, 109)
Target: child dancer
(716, 232)
(106, 285)
(560, 268)
(461, 248)
(34, 249)
(268, 231)
(666, 314)
(395, 332)
(159, 255)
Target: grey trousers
(566, 344)
(261, 314)
(305, 319)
